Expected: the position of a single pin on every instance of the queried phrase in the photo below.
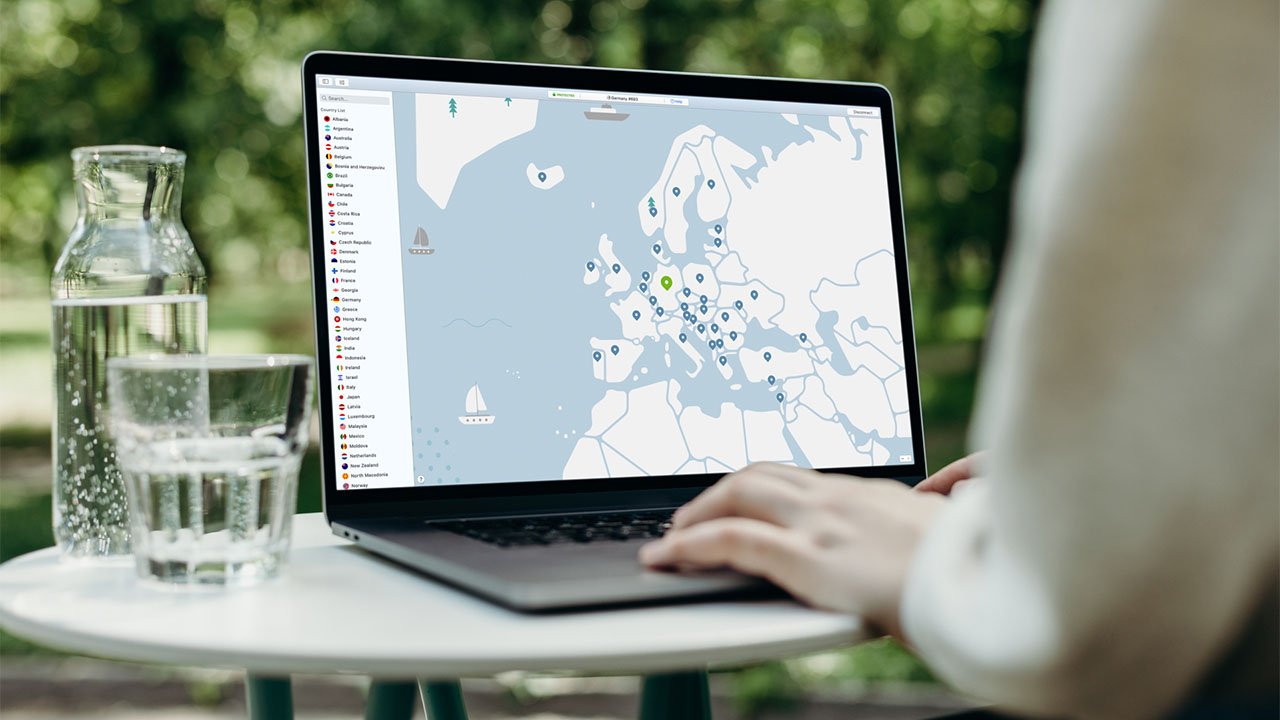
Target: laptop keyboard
(560, 529)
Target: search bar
(357, 99)
(618, 98)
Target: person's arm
(1126, 521)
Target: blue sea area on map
(500, 303)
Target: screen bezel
(605, 493)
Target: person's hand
(832, 541)
(953, 476)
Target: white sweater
(1123, 542)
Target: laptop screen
(548, 283)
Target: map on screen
(614, 290)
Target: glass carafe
(128, 282)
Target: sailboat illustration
(477, 412)
(421, 244)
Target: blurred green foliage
(219, 78)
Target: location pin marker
(666, 282)
(717, 242)
(617, 267)
(724, 316)
(733, 334)
(723, 360)
(698, 277)
(644, 275)
(596, 355)
(687, 292)
(711, 184)
(768, 356)
(590, 266)
(719, 227)
(683, 337)
(675, 191)
(755, 294)
(772, 379)
(653, 299)
(711, 344)
(657, 248)
(635, 314)
(615, 348)
(738, 304)
(653, 212)
(804, 337)
(542, 177)
(660, 312)
(781, 397)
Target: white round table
(338, 609)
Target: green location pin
(666, 282)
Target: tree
(453, 108)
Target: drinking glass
(209, 447)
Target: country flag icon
(328, 137)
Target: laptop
(553, 304)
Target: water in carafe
(128, 282)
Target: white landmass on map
(447, 142)
(715, 438)
(713, 194)
(553, 176)
(648, 435)
(873, 294)
(860, 397)
(824, 442)
(591, 274)
(807, 203)
(764, 437)
(617, 280)
(781, 364)
(614, 367)
(680, 185)
(636, 317)
(650, 223)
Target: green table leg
(676, 696)
(443, 700)
(270, 698)
(391, 700)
